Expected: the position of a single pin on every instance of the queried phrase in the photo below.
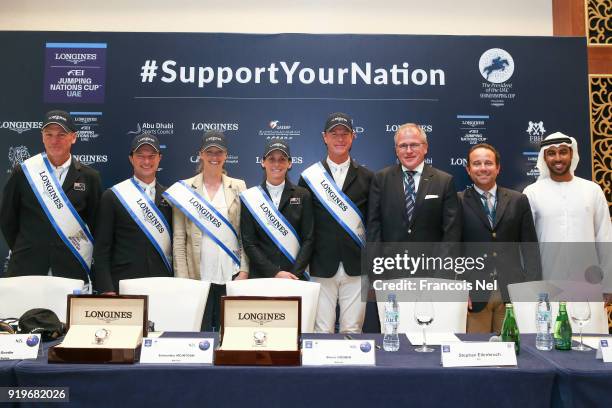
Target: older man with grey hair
(412, 201)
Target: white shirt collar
(271, 188)
(143, 184)
(65, 165)
(342, 166)
(418, 169)
(493, 190)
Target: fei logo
(496, 65)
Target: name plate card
(19, 346)
(478, 354)
(604, 351)
(177, 350)
(338, 352)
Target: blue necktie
(409, 193)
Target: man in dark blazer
(502, 217)
(336, 257)
(36, 248)
(122, 250)
(295, 203)
(413, 201)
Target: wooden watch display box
(258, 330)
(102, 329)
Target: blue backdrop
(507, 91)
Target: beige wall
(477, 17)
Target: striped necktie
(489, 206)
(409, 193)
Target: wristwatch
(101, 335)
(259, 338)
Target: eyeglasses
(411, 146)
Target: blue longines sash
(61, 213)
(336, 202)
(206, 218)
(277, 227)
(147, 216)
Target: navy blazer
(34, 243)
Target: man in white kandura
(571, 216)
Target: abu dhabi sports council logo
(20, 126)
(153, 128)
(17, 155)
(496, 65)
(536, 131)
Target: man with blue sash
(49, 207)
(340, 189)
(133, 239)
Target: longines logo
(536, 131)
(221, 127)
(75, 58)
(19, 126)
(393, 128)
(458, 161)
(154, 128)
(261, 318)
(89, 159)
(294, 159)
(107, 315)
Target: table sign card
(338, 352)
(177, 350)
(478, 354)
(19, 346)
(604, 351)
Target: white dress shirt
(339, 171)
(416, 176)
(275, 192)
(215, 265)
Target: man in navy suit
(502, 217)
(413, 201)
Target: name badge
(478, 354)
(604, 351)
(19, 346)
(295, 201)
(79, 186)
(338, 352)
(177, 350)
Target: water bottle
(391, 338)
(544, 338)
